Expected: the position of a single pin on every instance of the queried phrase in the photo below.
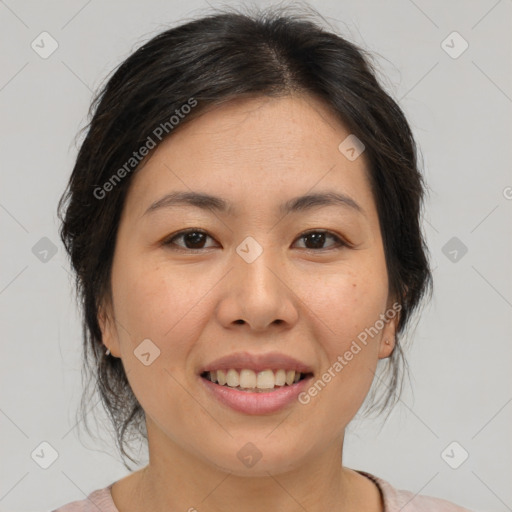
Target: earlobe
(386, 347)
(108, 333)
(388, 337)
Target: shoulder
(97, 501)
(396, 500)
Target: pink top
(394, 500)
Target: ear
(388, 335)
(108, 328)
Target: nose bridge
(259, 294)
(255, 265)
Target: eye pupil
(194, 238)
(318, 239)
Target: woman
(244, 221)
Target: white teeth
(233, 379)
(221, 377)
(280, 378)
(248, 379)
(265, 380)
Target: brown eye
(193, 239)
(316, 240)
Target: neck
(176, 479)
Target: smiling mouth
(255, 382)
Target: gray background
(460, 110)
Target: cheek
(153, 304)
(347, 304)
(156, 303)
(348, 311)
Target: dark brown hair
(222, 56)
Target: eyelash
(169, 242)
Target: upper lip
(257, 363)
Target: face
(254, 278)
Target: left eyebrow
(296, 204)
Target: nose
(258, 294)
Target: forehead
(254, 151)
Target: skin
(197, 306)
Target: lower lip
(257, 403)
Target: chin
(255, 458)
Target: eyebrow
(296, 204)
